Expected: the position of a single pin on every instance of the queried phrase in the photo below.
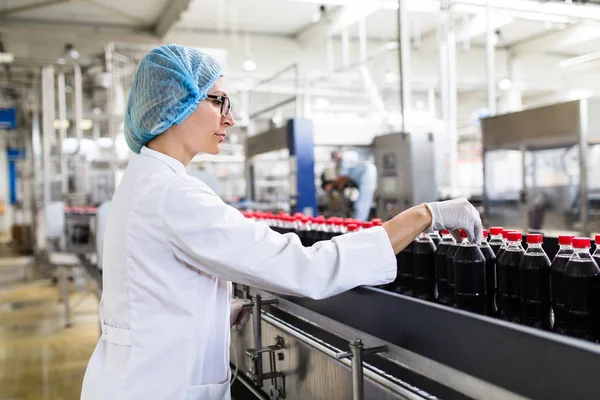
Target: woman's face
(204, 130)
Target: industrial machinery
(295, 139)
(538, 167)
(371, 344)
(406, 171)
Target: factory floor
(40, 359)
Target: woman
(172, 246)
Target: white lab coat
(171, 248)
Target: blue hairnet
(168, 85)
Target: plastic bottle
(490, 275)
(405, 277)
(435, 237)
(441, 273)
(304, 229)
(469, 278)
(504, 245)
(581, 278)
(496, 240)
(557, 269)
(534, 284)
(353, 228)
(596, 254)
(450, 268)
(508, 278)
(424, 267)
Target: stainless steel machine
(540, 170)
(406, 171)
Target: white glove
(454, 215)
(238, 315)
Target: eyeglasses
(223, 101)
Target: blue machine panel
(301, 146)
(8, 118)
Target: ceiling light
(277, 119)
(316, 17)
(391, 77)
(71, 52)
(504, 84)
(321, 102)
(249, 65)
(61, 124)
(86, 124)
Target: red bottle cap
(514, 236)
(566, 240)
(496, 230)
(376, 221)
(445, 232)
(320, 219)
(463, 234)
(597, 240)
(352, 227)
(581, 243)
(535, 238)
(485, 233)
(368, 225)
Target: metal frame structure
(572, 123)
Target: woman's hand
(238, 316)
(454, 215)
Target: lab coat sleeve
(215, 238)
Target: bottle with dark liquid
(435, 236)
(596, 254)
(469, 278)
(496, 240)
(507, 270)
(405, 278)
(504, 245)
(581, 292)
(490, 275)
(557, 269)
(424, 267)
(303, 230)
(441, 273)
(534, 284)
(450, 300)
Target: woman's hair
(170, 82)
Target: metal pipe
(274, 106)
(490, 60)
(345, 48)
(400, 68)
(452, 107)
(78, 101)
(358, 384)
(257, 338)
(404, 59)
(48, 115)
(62, 116)
(330, 60)
(362, 39)
(583, 164)
(275, 76)
(333, 352)
(431, 101)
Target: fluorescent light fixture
(478, 25)
(572, 62)
(249, 65)
(58, 124)
(504, 84)
(6, 58)
(86, 124)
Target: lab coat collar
(174, 164)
